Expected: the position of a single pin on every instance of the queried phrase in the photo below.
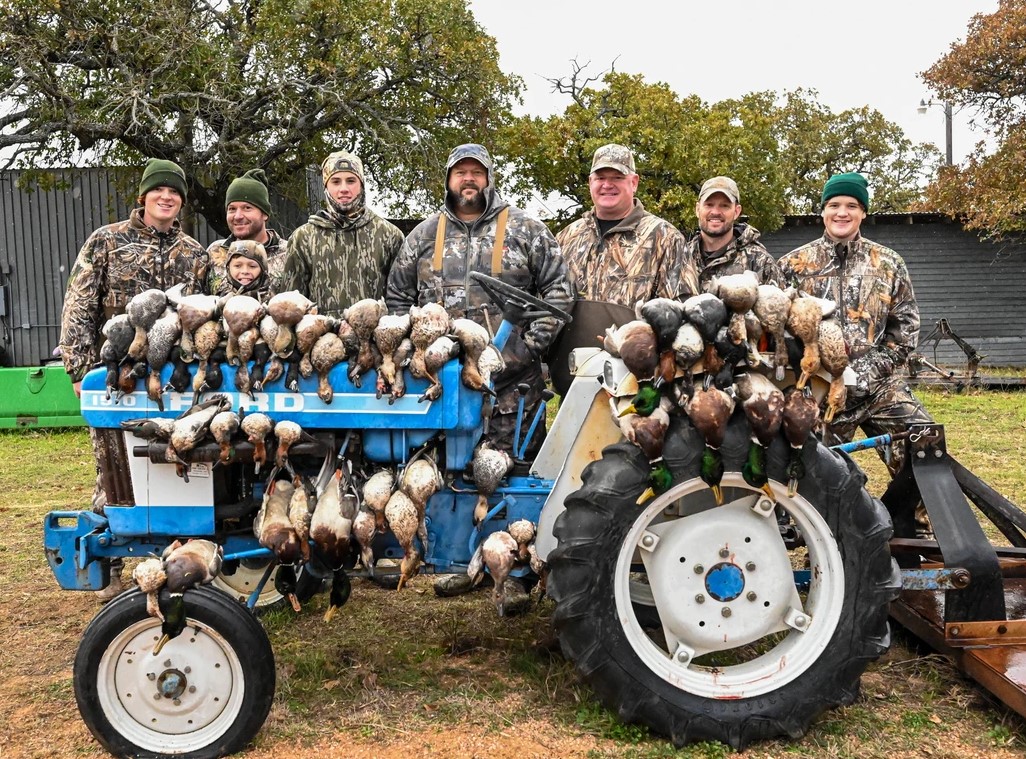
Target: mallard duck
(142, 311)
(326, 353)
(833, 356)
(801, 417)
(389, 333)
(241, 314)
(272, 526)
(488, 465)
(301, 507)
(222, 427)
(257, 427)
(437, 355)
(645, 401)
(648, 432)
(635, 343)
(309, 329)
(660, 479)
(763, 405)
(772, 307)
(162, 339)
(427, 324)
(376, 492)
(738, 293)
(404, 519)
(709, 411)
(803, 322)
(287, 309)
(194, 310)
(186, 566)
(149, 575)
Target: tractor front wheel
(698, 620)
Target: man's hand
(77, 386)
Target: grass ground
(406, 674)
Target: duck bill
(629, 410)
(769, 492)
(718, 494)
(792, 487)
(646, 496)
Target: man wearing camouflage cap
(477, 230)
(618, 252)
(723, 245)
(343, 253)
(247, 209)
(117, 262)
(877, 311)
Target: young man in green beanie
(876, 309)
(343, 253)
(247, 209)
(118, 261)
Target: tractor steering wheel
(502, 293)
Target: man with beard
(722, 245)
(476, 230)
(247, 208)
(343, 253)
(618, 252)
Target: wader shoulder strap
(436, 261)
(500, 238)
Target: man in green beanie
(343, 253)
(117, 262)
(876, 309)
(247, 208)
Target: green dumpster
(38, 396)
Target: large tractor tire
(205, 695)
(697, 620)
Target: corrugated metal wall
(41, 232)
(977, 286)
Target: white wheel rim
(244, 580)
(666, 535)
(182, 700)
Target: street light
(923, 105)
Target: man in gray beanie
(247, 209)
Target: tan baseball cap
(613, 156)
(726, 185)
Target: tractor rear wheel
(206, 694)
(697, 620)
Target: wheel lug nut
(177, 702)
(725, 611)
(647, 541)
(683, 657)
(751, 595)
(800, 621)
(192, 689)
(187, 670)
(699, 599)
(156, 697)
(724, 553)
(151, 676)
(167, 662)
(699, 569)
(750, 566)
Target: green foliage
(224, 87)
(780, 150)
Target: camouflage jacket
(117, 262)
(336, 267)
(217, 277)
(743, 253)
(876, 306)
(531, 261)
(641, 258)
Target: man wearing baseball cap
(247, 209)
(117, 262)
(618, 252)
(476, 230)
(723, 245)
(877, 312)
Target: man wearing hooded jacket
(434, 267)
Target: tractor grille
(112, 459)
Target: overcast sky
(852, 53)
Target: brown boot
(115, 587)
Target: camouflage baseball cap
(613, 156)
(341, 161)
(469, 150)
(726, 185)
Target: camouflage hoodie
(336, 267)
(876, 306)
(642, 257)
(743, 253)
(531, 261)
(117, 262)
(217, 277)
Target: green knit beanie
(161, 173)
(250, 188)
(851, 184)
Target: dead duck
(309, 329)
(707, 313)
(709, 411)
(327, 352)
(648, 432)
(272, 526)
(241, 314)
(499, 554)
(180, 375)
(635, 343)
(288, 433)
(389, 333)
(489, 466)
(301, 507)
(161, 341)
(723, 358)
(763, 404)
(213, 378)
(405, 519)
(223, 427)
(363, 317)
(755, 334)
(243, 380)
(427, 324)
(112, 361)
(522, 531)
(190, 428)
(801, 417)
(268, 335)
(772, 307)
(421, 480)
(331, 529)
(833, 357)
(287, 309)
(803, 322)
(376, 492)
(142, 311)
(402, 356)
(437, 355)
(150, 576)
(365, 530)
(193, 311)
(665, 316)
(261, 355)
(257, 427)
(151, 428)
(205, 341)
(187, 565)
(739, 293)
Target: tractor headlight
(607, 374)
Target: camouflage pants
(887, 411)
(100, 497)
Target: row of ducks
(720, 332)
(503, 550)
(286, 336)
